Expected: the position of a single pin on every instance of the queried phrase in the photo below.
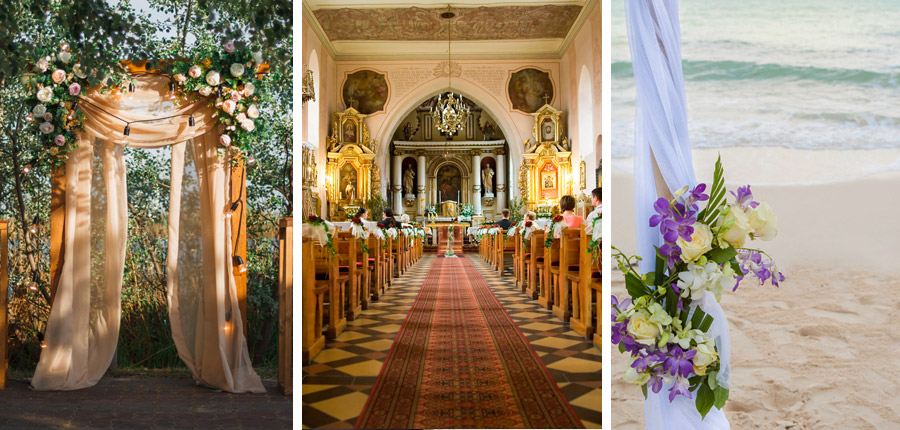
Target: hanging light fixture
(449, 111)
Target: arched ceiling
(485, 29)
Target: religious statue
(408, 177)
(488, 131)
(407, 131)
(348, 191)
(487, 177)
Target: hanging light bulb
(126, 133)
(172, 90)
(33, 286)
(34, 224)
(239, 262)
(29, 165)
(191, 124)
(29, 118)
(231, 210)
(131, 87)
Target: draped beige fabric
(83, 328)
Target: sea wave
(705, 70)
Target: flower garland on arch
(56, 82)
(228, 77)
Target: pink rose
(236, 96)
(48, 117)
(60, 140)
(225, 140)
(248, 125)
(229, 47)
(58, 75)
(228, 106)
(195, 71)
(75, 89)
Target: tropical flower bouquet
(661, 325)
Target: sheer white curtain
(83, 329)
(662, 164)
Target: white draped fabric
(83, 329)
(663, 164)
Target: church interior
(451, 176)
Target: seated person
(530, 216)
(597, 201)
(567, 206)
(388, 220)
(504, 223)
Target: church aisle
(337, 383)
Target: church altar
(443, 231)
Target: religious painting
(349, 131)
(365, 90)
(548, 130)
(529, 89)
(349, 183)
(449, 183)
(549, 181)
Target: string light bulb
(33, 286)
(29, 118)
(231, 210)
(172, 90)
(125, 133)
(239, 262)
(34, 224)
(191, 124)
(29, 165)
(131, 87)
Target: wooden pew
(367, 266)
(330, 285)
(378, 260)
(581, 320)
(396, 256)
(596, 288)
(535, 259)
(346, 245)
(551, 258)
(569, 252)
(505, 246)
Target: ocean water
(800, 74)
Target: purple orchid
(696, 195)
(662, 212)
(671, 252)
(763, 269)
(655, 382)
(682, 387)
(679, 362)
(744, 197)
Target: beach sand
(821, 351)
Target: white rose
(48, 117)
(705, 356)
(241, 117)
(253, 111)
(65, 57)
(237, 69)
(764, 222)
(257, 56)
(43, 64)
(249, 89)
(248, 125)
(39, 110)
(701, 242)
(205, 91)
(737, 233)
(195, 71)
(641, 329)
(212, 78)
(180, 78)
(46, 128)
(78, 72)
(228, 106)
(45, 94)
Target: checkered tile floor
(337, 383)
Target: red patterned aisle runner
(459, 361)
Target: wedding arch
(204, 110)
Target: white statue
(408, 180)
(487, 177)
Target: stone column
(500, 179)
(476, 188)
(421, 183)
(396, 183)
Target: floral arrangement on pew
(593, 227)
(379, 233)
(554, 230)
(513, 229)
(57, 81)
(666, 334)
(320, 230)
(359, 230)
(527, 229)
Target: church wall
(584, 54)
(313, 47)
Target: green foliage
(516, 210)
(376, 205)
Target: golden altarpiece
(352, 175)
(546, 171)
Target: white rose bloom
(48, 117)
(248, 125)
(46, 128)
(43, 64)
(249, 89)
(737, 233)
(241, 117)
(205, 91)
(701, 242)
(257, 56)
(237, 69)
(45, 94)
(253, 111)
(39, 110)
(78, 72)
(180, 78)
(764, 222)
(195, 71)
(65, 57)
(212, 78)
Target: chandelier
(449, 111)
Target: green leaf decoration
(711, 380)
(716, 195)
(737, 268)
(660, 269)
(705, 399)
(720, 255)
(707, 321)
(698, 317)
(721, 396)
(644, 390)
(635, 287)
